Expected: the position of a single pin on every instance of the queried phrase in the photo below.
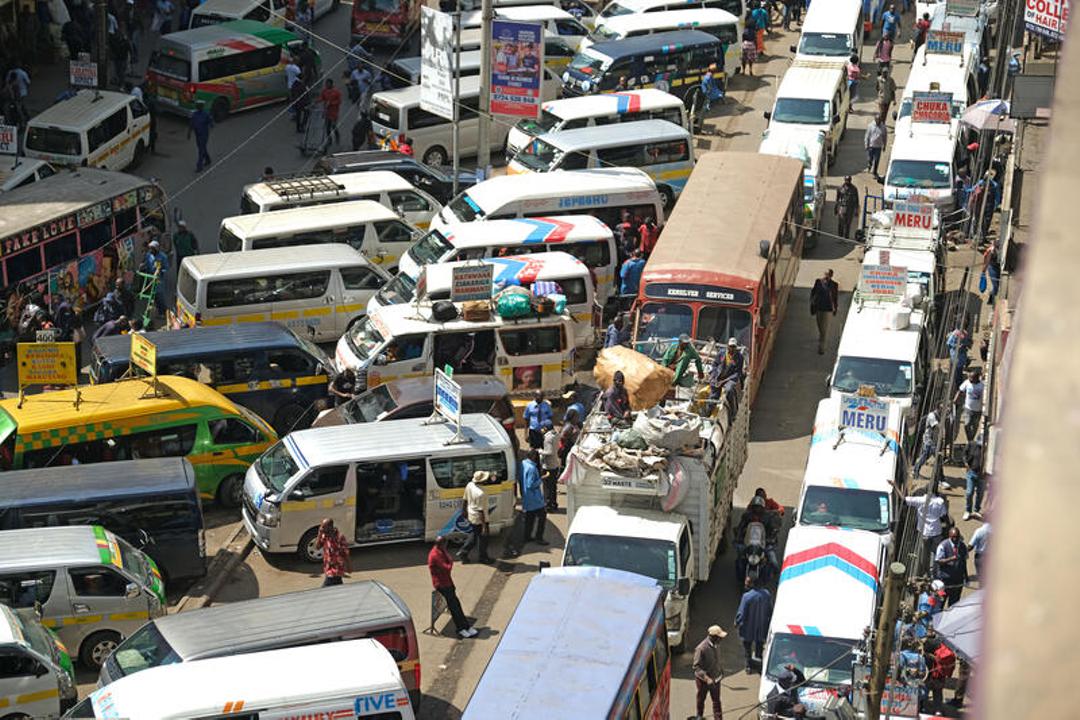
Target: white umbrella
(961, 626)
(989, 115)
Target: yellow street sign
(46, 363)
(143, 354)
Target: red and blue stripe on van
(545, 230)
(627, 103)
(829, 555)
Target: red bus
(727, 258)
(584, 642)
(384, 20)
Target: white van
(352, 678)
(103, 129)
(590, 110)
(382, 186)
(378, 482)
(570, 274)
(808, 146)
(815, 96)
(317, 290)
(828, 592)
(16, 172)
(922, 162)
(850, 471)
(937, 73)
(93, 588)
(663, 150)
(37, 680)
(555, 20)
(605, 194)
(726, 27)
(831, 33)
(269, 12)
(582, 236)
(617, 8)
(367, 226)
(394, 112)
(400, 341)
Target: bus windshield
(919, 174)
(645, 556)
(664, 320)
(888, 377)
(824, 661)
(721, 323)
(364, 338)
(825, 44)
(589, 63)
(539, 156)
(846, 508)
(801, 111)
(276, 466)
(430, 248)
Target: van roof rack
(306, 187)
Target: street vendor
(679, 356)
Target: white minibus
(939, 77)
(15, 172)
(316, 290)
(831, 33)
(851, 470)
(826, 599)
(617, 8)
(379, 482)
(605, 194)
(725, 26)
(582, 236)
(353, 678)
(590, 110)
(573, 278)
(663, 150)
(383, 186)
(808, 146)
(555, 20)
(366, 225)
(103, 129)
(816, 96)
(922, 162)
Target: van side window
(396, 640)
(17, 663)
(303, 286)
(667, 152)
(456, 472)
(422, 119)
(574, 290)
(554, 48)
(290, 362)
(595, 254)
(408, 201)
(575, 160)
(97, 582)
(628, 155)
(569, 27)
(360, 278)
(532, 341)
(323, 481)
(393, 231)
(107, 129)
(469, 108)
(230, 431)
(22, 590)
(137, 108)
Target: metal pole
(102, 9)
(483, 151)
(457, 95)
(883, 644)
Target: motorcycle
(753, 560)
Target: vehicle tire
(16, 716)
(667, 199)
(306, 548)
(436, 156)
(140, 155)
(230, 492)
(219, 110)
(289, 418)
(97, 647)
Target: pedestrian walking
(760, 16)
(630, 277)
(537, 413)
(992, 270)
(551, 466)
(886, 91)
(752, 621)
(950, 564)
(890, 23)
(649, 234)
(330, 97)
(930, 425)
(532, 499)
(749, 49)
(824, 302)
(200, 125)
(708, 672)
(184, 243)
(476, 514)
(974, 481)
(972, 392)
(440, 565)
(301, 102)
(361, 131)
(980, 543)
(854, 75)
(877, 135)
(883, 53)
(846, 206)
(335, 553)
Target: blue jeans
(924, 455)
(975, 485)
(873, 159)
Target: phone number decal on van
(583, 201)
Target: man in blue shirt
(889, 21)
(630, 275)
(157, 261)
(536, 413)
(616, 334)
(532, 499)
(201, 122)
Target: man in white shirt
(931, 509)
(980, 542)
(476, 513)
(972, 390)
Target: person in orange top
(439, 565)
(649, 233)
(330, 97)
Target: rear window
(385, 114)
(186, 286)
(175, 67)
(54, 141)
(229, 242)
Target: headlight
(585, 85)
(269, 514)
(566, 77)
(67, 685)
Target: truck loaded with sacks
(651, 492)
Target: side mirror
(792, 48)
(894, 116)
(380, 360)
(40, 670)
(132, 591)
(836, 119)
(683, 586)
(767, 115)
(828, 382)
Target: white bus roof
(529, 231)
(863, 460)
(316, 447)
(410, 96)
(524, 268)
(308, 219)
(611, 103)
(924, 141)
(347, 184)
(606, 136)
(690, 19)
(828, 582)
(253, 262)
(603, 520)
(296, 676)
(541, 186)
(810, 81)
(82, 110)
(402, 319)
(835, 16)
(946, 70)
(866, 335)
(531, 13)
(641, 6)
